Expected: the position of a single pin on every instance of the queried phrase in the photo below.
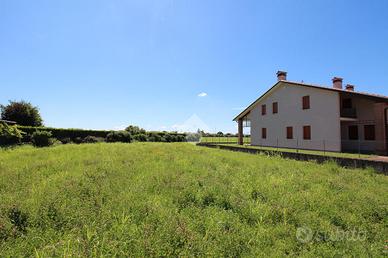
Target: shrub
(193, 137)
(119, 136)
(78, 140)
(134, 130)
(169, 138)
(154, 137)
(9, 135)
(180, 138)
(24, 113)
(65, 140)
(92, 139)
(140, 137)
(42, 139)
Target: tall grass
(149, 199)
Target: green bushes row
(73, 135)
(46, 136)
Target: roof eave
(248, 109)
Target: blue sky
(107, 64)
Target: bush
(140, 137)
(193, 137)
(9, 135)
(23, 113)
(42, 139)
(119, 136)
(65, 140)
(92, 139)
(78, 140)
(154, 137)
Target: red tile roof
(363, 94)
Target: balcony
(349, 113)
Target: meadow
(224, 139)
(178, 199)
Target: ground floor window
(370, 132)
(290, 134)
(353, 132)
(307, 132)
(264, 133)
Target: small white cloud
(202, 94)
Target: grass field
(313, 152)
(149, 199)
(224, 139)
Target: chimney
(282, 76)
(337, 83)
(349, 87)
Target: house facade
(306, 116)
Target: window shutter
(275, 108)
(307, 132)
(264, 133)
(370, 132)
(290, 132)
(306, 102)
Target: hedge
(61, 133)
(77, 135)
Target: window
(347, 103)
(306, 102)
(263, 109)
(264, 133)
(369, 132)
(290, 132)
(307, 132)
(275, 108)
(353, 132)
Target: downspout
(386, 130)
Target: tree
(134, 130)
(22, 112)
(9, 135)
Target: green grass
(150, 199)
(314, 152)
(224, 139)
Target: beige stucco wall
(323, 117)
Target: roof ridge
(317, 87)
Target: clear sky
(107, 64)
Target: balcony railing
(349, 113)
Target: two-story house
(300, 115)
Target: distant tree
(134, 130)
(22, 112)
(220, 134)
